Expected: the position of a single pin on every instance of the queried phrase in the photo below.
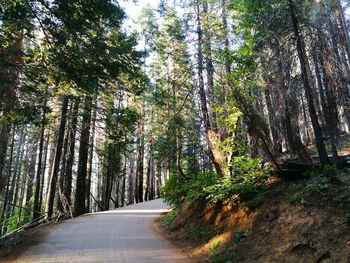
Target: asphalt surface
(124, 235)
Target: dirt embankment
(304, 221)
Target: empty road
(123, 235)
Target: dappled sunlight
(344, 151)
(214, 243)
(230, 215)
(224, 123)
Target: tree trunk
(9, 177)
(331, 110)
(31, 174)
(148, 179)
(306, 83)
(68, 173)
(109, 163)
(4, 138)
(209, 66)
(139, 161)
(212, 138)
(343, 28)
(131, 181)
(14, 181)
(79, 201)
(123, 187)
(57, 159)
(39, 178)
(91, 158)
(159, 178)
(290, 122)
(10, 57)
(47, 144)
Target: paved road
(123, 235)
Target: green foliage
(169, 220)
(248, 181)
(294, 198)
(334, 238)
(240, 235)
(247, 184)
(226, 256)
(325, 170)
(205, 232)
(18, 218)
(178, 188)
(317, 185)
(318, 181)
(256, 200)
(121, 122)
(344, 144)
(15, 16)
(221, 258)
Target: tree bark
(139, 169)
(148, 179)
(79, 201)
(68, 173)
(57, 159)
(10, 57)
(31, 174)
(91, 158)
(9, 177)
(14, 181)
(306, 83)
(212, 138)
(139, 161)
(331, 110)
(39, 178)
(47, 144)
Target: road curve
(123, 235)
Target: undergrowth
(169, 220)
(227, 253)
(245, 184)
(18, 218)
(324, 181)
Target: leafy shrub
(317, 185)
(294, 198)
(17, 219)
(179, 188)
(240, 235)
(169, 220)
(246, 182)
(325, 170)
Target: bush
(246, 182)
(17, 219)
(169, 220)
(325, 170)
(179, 188)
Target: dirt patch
(295, 233)
(24, 241)
(202, 230)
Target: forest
(202, 99)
